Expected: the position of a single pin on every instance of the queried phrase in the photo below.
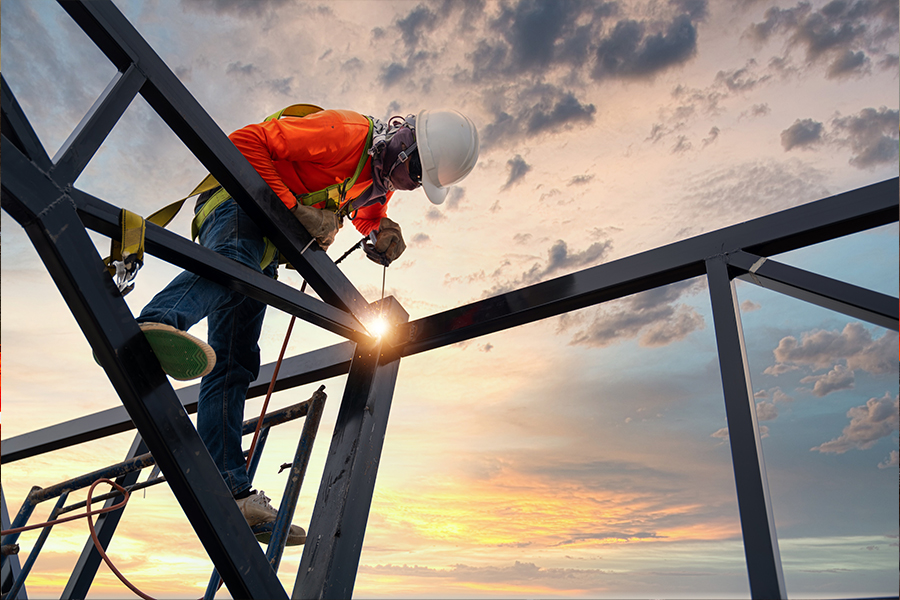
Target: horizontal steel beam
(833, 217)
(171, 247)
(832, 294)
(123, 45)
(295, 371)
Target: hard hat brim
(436, 195)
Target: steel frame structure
(40, 194)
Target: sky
(582, 456)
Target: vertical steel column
(89, 561)
(295, 479)
(757, 521)
(334, 542)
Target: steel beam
(77, 151)
(335, 538)
(302, 369)
(49, 218)
(833, 217)
(17, 128)
(89, 560)
(757, 521)
(171, 247)
(124, 46)
(11, 567)
(857, 302)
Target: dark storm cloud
(802, 134)
(872, 135)
(542, 108)
(239, 8)
(517, 170)
(630, 51)
(848, 63)
(842, 32)
(532, 55)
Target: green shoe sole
(181, 355)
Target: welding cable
(89, 513)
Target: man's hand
(323, 225)
(389, 244)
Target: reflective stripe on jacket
(303, 155)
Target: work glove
(323, 225)
(388, 244)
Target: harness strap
(126, 255)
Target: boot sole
(182, 356)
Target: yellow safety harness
(127, 256)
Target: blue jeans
(235, 322)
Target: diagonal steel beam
(124, 46)
(81, 145)
(49, 218)
(19, 131)
(832, 294)
(754, 503)
(839, 215)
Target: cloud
(877, 419)
(839, 378)
(892, 460)
(517, 170)
(420, 239)
(766, 186)
(632, 51)
(749, 306)
(841, 33)
(454, 198)
(542, 108)
(766, 411)
(872, 135)
(802, 134)
(434, 214)
(822, 349)
(559, 259)
(655, 316)
(238, 8)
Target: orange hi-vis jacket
(301, 155)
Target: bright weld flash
(379, 327)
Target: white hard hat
(447, 141)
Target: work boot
(260, 515)
(181, 355)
